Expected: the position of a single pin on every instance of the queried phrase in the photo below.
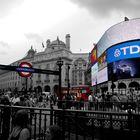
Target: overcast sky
(30, 22)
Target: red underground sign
(25, 69)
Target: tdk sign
(123, 51)
(127, 50)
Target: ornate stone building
(47, 59)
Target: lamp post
(31, 82)
(112, 80)
(26, 85)
(59, 63)
(96, 86)
(68, 79)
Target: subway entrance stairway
(76, 124)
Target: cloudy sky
(30, 22)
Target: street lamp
(68, 89)
(31, 82)
(112, 80)
(26, 85)
(96, 86)
(59, 63)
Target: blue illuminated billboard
(126, 50)
(124, 69)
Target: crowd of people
(130, 96)
(116, 100)
(21, 119)
(29, 100)
(22, 130)
(69, 101)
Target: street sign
(25, 69)
(20, 69)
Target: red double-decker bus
(81, 92)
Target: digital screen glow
(102, 76)
(121, 32)
(93, 56)
(102, 59)
(124, 69)
(94, 71)
(124, 50)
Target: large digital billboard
(121, 32)
(102, 60)
(129, 49)
(102, 76)
(124, 69)
(93, 56)
(94, 71)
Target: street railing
(76, 124)
(101, 106)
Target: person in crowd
(21, 102)
(28, 102)
(52, 99)
(40, 101)
(54, 132)
(21, 129)
(5, 100)
(5, 117)
(68, 99)
(15, 99)
(90, 100)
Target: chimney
(68, 41)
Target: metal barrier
(102, 106)
(76, 124)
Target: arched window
(121, 85)
(113, 86)
(134, 84)
(47, 88)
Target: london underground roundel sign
(23, 71)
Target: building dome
(31, 52)
(57, 42)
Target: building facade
(47, 59)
